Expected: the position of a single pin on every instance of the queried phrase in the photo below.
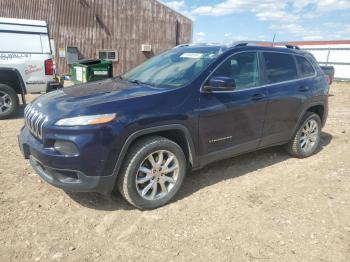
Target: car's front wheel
(153, 172)
(307, 138)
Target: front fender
(153, 130)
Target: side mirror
(220, 83)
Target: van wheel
(307, 138)
(8, 101)
(153, 172)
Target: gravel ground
(263, 206)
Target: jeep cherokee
(183, 109)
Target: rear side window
(24, 43)
(305, 66)
(279, 67)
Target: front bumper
(71, 180)
(68, 173)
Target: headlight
(86, 120)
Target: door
(287, 90)
(231, 122)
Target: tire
(138, 176)
(8, 101)
(297, 147)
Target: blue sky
(235, 20)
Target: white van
(26, 63)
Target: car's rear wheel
(8, 101)
(153, 172)
(307, 138)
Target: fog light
(66, 148)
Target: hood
(90, 98)
(115, 89)
(100, 87)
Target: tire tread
(136, 149)
(11, 92)
(292, 146)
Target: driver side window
(243, 68)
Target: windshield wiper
(138, 82)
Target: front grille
(34, 121)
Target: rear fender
(13, 78)
(305, 109)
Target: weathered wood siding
(91, 25)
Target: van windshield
(174, 68)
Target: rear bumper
(54, 85)
(325, 113)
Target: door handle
(304, 88)
(257, 97)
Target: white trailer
(331, 53)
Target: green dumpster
(91, 70)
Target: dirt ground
(263, 206)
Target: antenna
(273, 40)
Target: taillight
(49, 69)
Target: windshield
(174, 68)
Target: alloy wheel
(5, 102)
(157, 175)
(309, 136)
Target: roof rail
(198, 44)
(292, 46)
(263, 43)
(182, 45)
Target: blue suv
(183, 109)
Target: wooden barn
(124, 31)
